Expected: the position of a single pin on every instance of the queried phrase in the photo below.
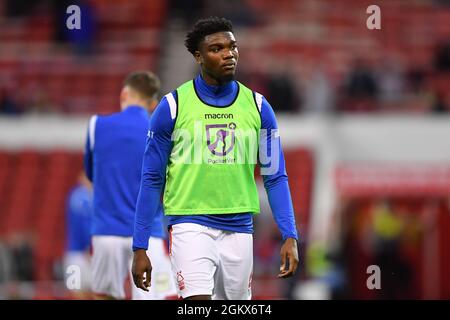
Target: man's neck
(216, 95)
(134, 104)
(213, 81)
(208, 79)
(214, 90)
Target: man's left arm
(276, 183)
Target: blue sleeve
(274, 173)
(156, 156)
(87, 161)
(78, 219)
(71, 223)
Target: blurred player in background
(210, 204)
(113, 161)
(78, 226)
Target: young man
(113, 162)
(210, 193)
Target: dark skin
(217, 56)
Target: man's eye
(215, 50)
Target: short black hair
(204, 27)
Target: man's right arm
(156, 157)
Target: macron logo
(218, 116)
(150, 134)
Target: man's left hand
(289, 258)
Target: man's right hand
(141, 265)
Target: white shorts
(111, 265)
(208, 261)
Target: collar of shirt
(216, 95)
(135, 108)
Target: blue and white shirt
(114, 151)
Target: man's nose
(228, 54)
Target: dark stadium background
(363, 116)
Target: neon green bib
(211, 167)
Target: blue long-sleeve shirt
(157, 155)
(113, 156)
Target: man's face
(218, 56)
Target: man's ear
(198, 57)
(124, 95)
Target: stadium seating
(309, 35)
(302, 33)
(57, 80)
(34, 187)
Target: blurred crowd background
(363, 114)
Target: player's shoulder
(257, 97)
(187, 84)
(169, 97)
(168, 104)
(101, 122)
(183, 89)
(111, 117)
(79, 191)
(248, 90)
(101, 117)
(76, 193)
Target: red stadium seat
(34, 201)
